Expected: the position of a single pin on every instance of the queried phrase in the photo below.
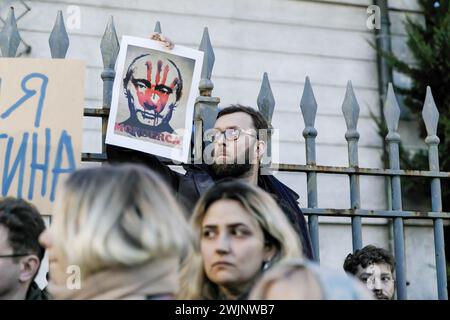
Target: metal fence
(206, 109)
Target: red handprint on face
(154, 95)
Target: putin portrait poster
(153, 99)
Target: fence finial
(59, 39)
(109, 45)
(158, 27)
(9, 36)
(430, 113)
(206, 84)
(391, 110)
(266, 101)
(308, 105)
(350, 109)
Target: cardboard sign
(41, 114)
(153, 98)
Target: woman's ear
(270, 251)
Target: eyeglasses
(14, 255)
(231, 134)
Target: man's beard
(232, 170)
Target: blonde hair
(261, 206)
(299, 279)
(117, 216)
(292, 278)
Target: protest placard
(153, 98)
(41, 114)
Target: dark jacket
(35, 293)
(198, 179)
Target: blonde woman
(239, 232)
(120, 229)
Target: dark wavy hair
(259, 122)
(24, 224)
(366, 256)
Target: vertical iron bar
(206, 107)
(430, 116)
(109, 47)
(392, 116)
(350, 109)
(266, 105)
(308, 106)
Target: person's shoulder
(271, 182)
(197, 169)
(36, 293)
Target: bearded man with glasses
(237, 148)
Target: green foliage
(429, 43)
